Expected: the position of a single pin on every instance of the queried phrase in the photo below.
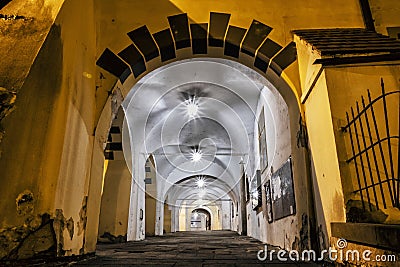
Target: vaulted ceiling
(161, 122)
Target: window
(262, 141)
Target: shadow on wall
(30, 121)
(320, 224)
(3, 3)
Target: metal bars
(373, 145)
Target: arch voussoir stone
(252, 42)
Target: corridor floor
(211, 248)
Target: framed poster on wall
(247, 186)
(283, 199)
(255, 195)
(268, 198)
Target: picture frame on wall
(282, 191)
(256, 194)
(268, 199)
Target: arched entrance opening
(200, 220)
(219, 120)
(212, 102)
(220, 143)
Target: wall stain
(355, 213)
(321, 237)
(7, 101)
(7, 105)
(110, 238)
(301, 243)
(25, 203)
(59, 226)
(70, 227)
(15, 17)
(82, 223)
(82, 216)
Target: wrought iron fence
(375, 149)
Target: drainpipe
(367, 15)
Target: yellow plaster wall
(78, 37)
(114, 22)
(150, 215)
(115, 199)
(48, 139)
(97, 174)
(47, 147)
(346, 86)
(21, 39)
(327, 182)
(325, 173)
(385, 14)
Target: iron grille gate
(374, 146)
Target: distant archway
(200, 220)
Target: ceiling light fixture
(200, 182)
(196, 156)
(192, 107)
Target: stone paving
(194, 249)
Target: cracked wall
(42, 158)
(35, 237)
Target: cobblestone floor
(193, 249)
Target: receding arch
(205, 223)
(264, 53)
(272, 74)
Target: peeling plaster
(25, 203)
(110, 238)
(301, 243)
(82, 216)
(7, 100)
(15, 17)
(70, 227)
(59, 225)
(321, 237)
(35, 237)
(356, 213)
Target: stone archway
(55, 83)
(250, 47)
